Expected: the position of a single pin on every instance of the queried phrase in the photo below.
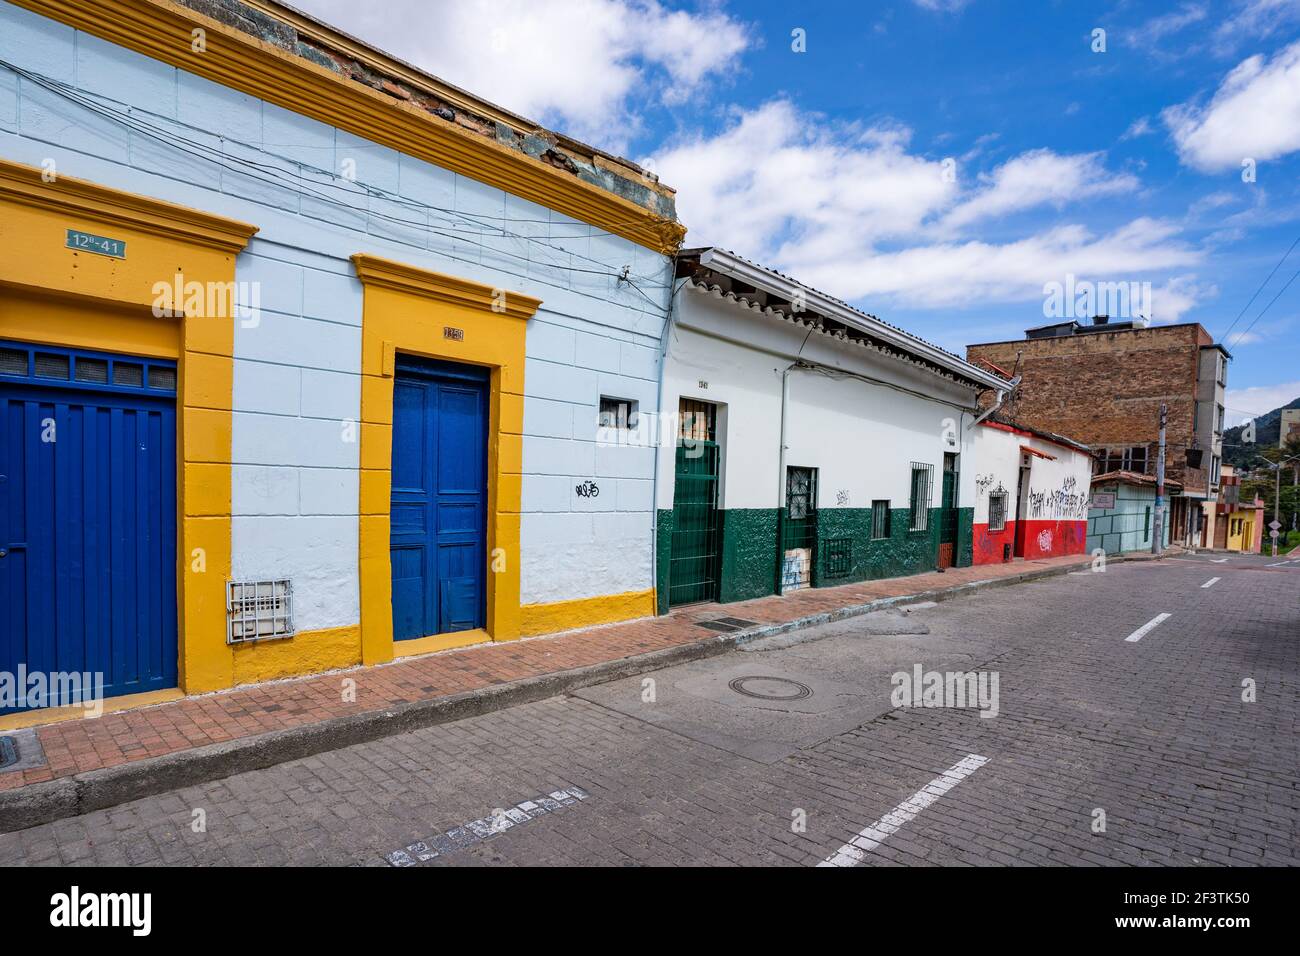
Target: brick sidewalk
(77, 746)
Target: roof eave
(779, 285)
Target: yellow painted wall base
(55, 715)
(308, 652)
(585, 612)
(440, 642)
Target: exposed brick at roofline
(1105, 388)
(622, 179)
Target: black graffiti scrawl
(1065, 503)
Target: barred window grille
(838, 560)
(922, 481)
(998, 511)
(259, 610)
(880, 519)
(616, 413)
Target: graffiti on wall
(1045, 540)
(1066, 503)
(983, 483)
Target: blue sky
(936, 162)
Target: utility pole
(1158, 539)
(1277, 501)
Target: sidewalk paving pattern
(77, 746)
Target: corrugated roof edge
(746, 270)
(1133, 478)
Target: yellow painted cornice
(162, 30)
(373, 270)
(77, 197)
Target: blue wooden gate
(439, 498)
(87, 520)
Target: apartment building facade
(1102, 383)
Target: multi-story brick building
(1103, 384)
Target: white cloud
(1151, 32)
(1139, 127)
(977, 272)
(942, 6)
(1254, 114)
(1178, 295)
(1040, 177)
(574, 64)
(852, 211)
(1256, 18)
(1243, 403)
(775, 170)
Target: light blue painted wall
(297, 356)
(1126, 527)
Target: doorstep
(90, 764)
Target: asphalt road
(1144, 715)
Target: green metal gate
(693, 563)
(948, 514)
(799, 528)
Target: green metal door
(693, 563)
(799, 528)
(948, 514)
(947, 556)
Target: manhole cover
(771, 688)
(8, 751)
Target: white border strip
(856, 850)
(1147, 628)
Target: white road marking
(1211, 583)
(1278, 565)
(1218, 560)
(856, 850)
(1147, 628)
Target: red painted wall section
(1043, 539)
(988, 545)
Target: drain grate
(725, 624)
(8, 752)
(771, 688)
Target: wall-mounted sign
(100, 245)
(1103, 500)
(456, 335)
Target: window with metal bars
(616, 413)
(922, 481)
(879, 519)
(259, 610)
(998, 511)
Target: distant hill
(1267, 430)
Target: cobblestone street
(1098, 719)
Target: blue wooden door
(87, 520)
(439, 498)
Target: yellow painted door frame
(420, 312)
(53, 294)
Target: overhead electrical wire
(273, 175)
(1266, 281)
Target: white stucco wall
(862, 436)
(297, 362)
(997, 456)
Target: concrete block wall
(297, 341)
